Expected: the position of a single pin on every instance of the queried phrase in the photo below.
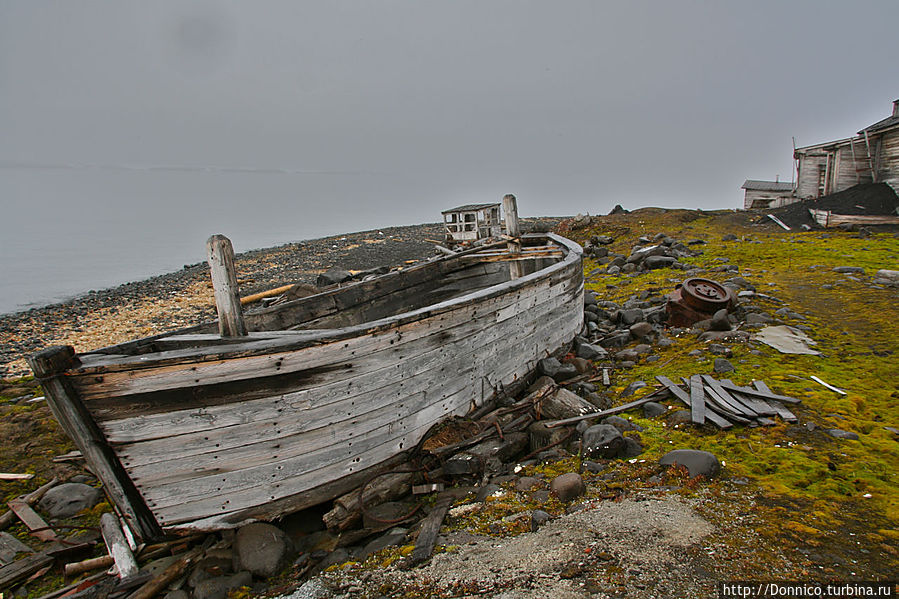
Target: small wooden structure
(472, 221)
(297, 403)
(872, 156)
(762, 195)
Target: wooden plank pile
(724, 403)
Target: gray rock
(676, 417)
(548, 367)
(887, 277)
(655, 262)
(394, 536)
(262, 549)
(486, 491)
(222, 564)
(333, 277)
(653, 409)
(218, 587)
(723, 365)
(67, 499)
(603, 441)
(618, 339)
(720, 321)
(567, 486)
(179, 594)
(631, 316)
(641, 329)
(729, 237)
(627, 354)
(613, 270)
(628, 268)
(720, 350)
(588, 351)
(632, 448)
(538, 519)
(848, 270)
(632, 388)
(622, 424)
(641, 254)
(565, 372)
(840, 434)
(697, 462)
(527, 483)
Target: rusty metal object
(697, 299)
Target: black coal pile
(867, 198)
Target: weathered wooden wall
(888, 159)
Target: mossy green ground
(818, 488)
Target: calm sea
(69, 230)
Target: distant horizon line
(10, 165)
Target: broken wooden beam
(31, 499)
(158, 583)
(95, 563)
(118, 546)
(32, 520)
(430, 528)
(23, 568)
(510, 208)
(220, 255)
(10, 547)
(697, 400)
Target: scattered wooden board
(32, 520)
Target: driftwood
(347, 510)
(156, 584)
(13, 476)
(23, 568)
(95, 563)
(118, 546)
(655, 395)
(10, 547)
(220, 255)
(31, 498)
(562, 404)
(430, 528)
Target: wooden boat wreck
(193, 430)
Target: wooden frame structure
(472, 222)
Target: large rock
(642, 254)
(333, 277)
(67, 499)
(631, 316)
(887, 277)
(562, 404)
(262, 549)
(654, 262)
(697, 462)
(850, 270)
(588, 351)
(567, 486)
(722, 365)
(603, 441)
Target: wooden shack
(761, 195)
(872, 156)
(472, 221)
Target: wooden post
(510, 207)
(117, 546)
(224, 280)
(49, 367)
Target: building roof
(887, 123)
(470, 208)
(767, 185)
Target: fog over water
(131, 131)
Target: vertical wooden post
(224, 281)
(510, 207)
(49, 367)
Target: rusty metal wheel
(705, 295)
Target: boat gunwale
(279, 341)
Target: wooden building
(872, 156)
(760, 195)
(472, 221)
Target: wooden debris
(655, 395)
(430, 527)
(347, 509)
(831, 387)
(10, 547)
(31, 498)
(425, 489)
(32, 520)
(95, 563)
(725, 403)
(118, 546)
(23, 568)
(561, 404)
(12, 476)
(158, 583)
(75, 587)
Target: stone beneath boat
(262, 549)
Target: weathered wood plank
(23, 568)
(32, 520)
(10, 547)
(79, 426)
(430, 528)
(768, 394)
(783, 412)
(717, 392)
(220, 255)
(510, 208)
(685, 399)
(117, 546)
(697, 400)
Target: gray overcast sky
(592, 103)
